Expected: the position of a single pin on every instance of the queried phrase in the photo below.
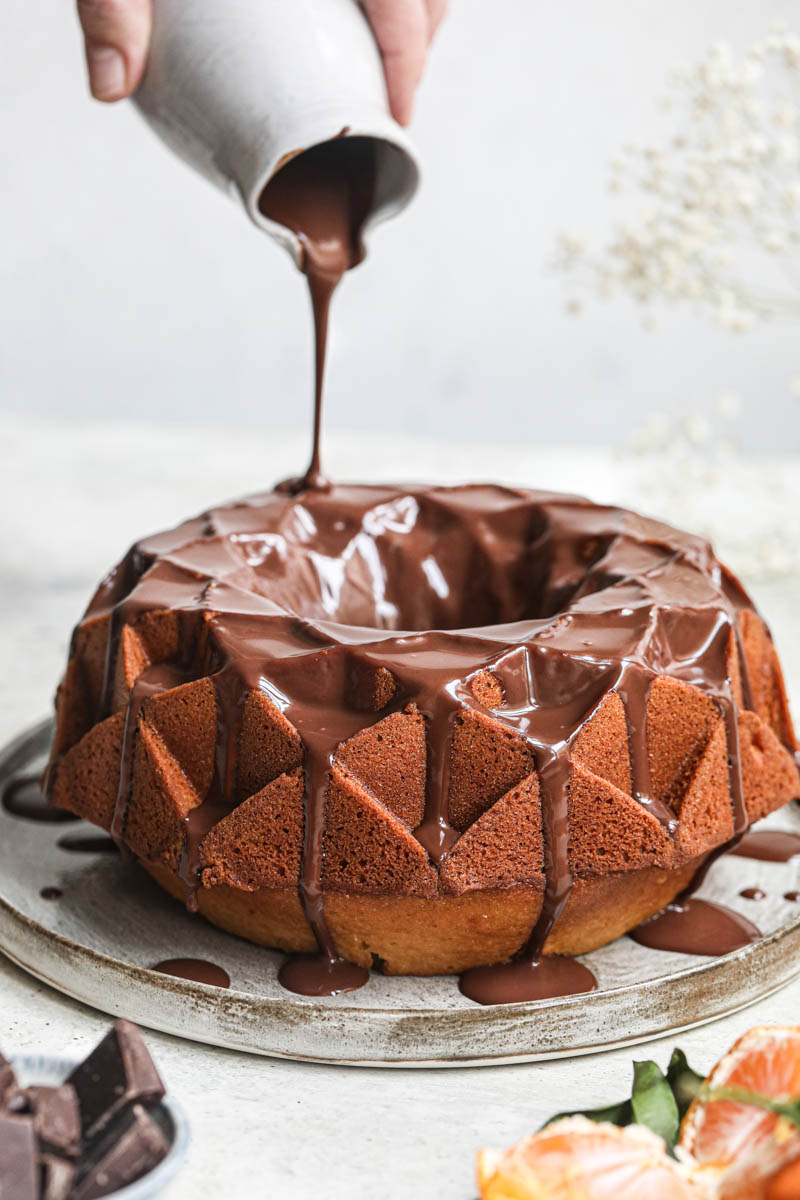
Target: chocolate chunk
(118, 1073)
(8, 1081)
(57, 1177)
(131, 1145)
(56, 1119)
(19, 1166)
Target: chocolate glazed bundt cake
(406, 726)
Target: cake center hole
(418, 563)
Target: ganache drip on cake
(527, 607)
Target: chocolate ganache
(526, 607)
(24, 797)
(769, 845)
(323, 195)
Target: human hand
(117, 36)
(404, 30)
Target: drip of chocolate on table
(535, 609)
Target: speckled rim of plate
(392, 1037)
(54, 1068)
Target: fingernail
(107, 73)
(402, 109)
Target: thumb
(402, 31)
(117, 36)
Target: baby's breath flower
(717, 479)
(697, 428)
(729, 405)
(774, 242)
(723, 188)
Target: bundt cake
(407, 725)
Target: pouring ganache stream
(324, 195)
(524, 607)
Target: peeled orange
(736, 1145)
(578, 1159)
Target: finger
(401, 31)
(436, 12)
(117, 35)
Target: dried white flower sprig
(690, 471)
(722, 196)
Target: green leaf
(653, 1103)
(685, 1082)
(791, 1110)
(660, 1101)
(617, 1114)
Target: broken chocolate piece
(56, 1118)
(87, 1137)
(130, 1146)
(57, 1177)
(19, 1165)
(8, 1081)
(118, 1073)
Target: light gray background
(130, 290)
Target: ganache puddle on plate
(693, 926)
(198, 970)
(769, 845)
(528, 978)
(23, 797)
(88, 843)
(547, 693)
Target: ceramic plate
(111, 922)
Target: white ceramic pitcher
(235, 87)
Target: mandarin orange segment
(578, 1159)
(764, 1172)
(786, 1184)
(764, 1061)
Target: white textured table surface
(77, 497)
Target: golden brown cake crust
(405, 935)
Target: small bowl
(53, 1069)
